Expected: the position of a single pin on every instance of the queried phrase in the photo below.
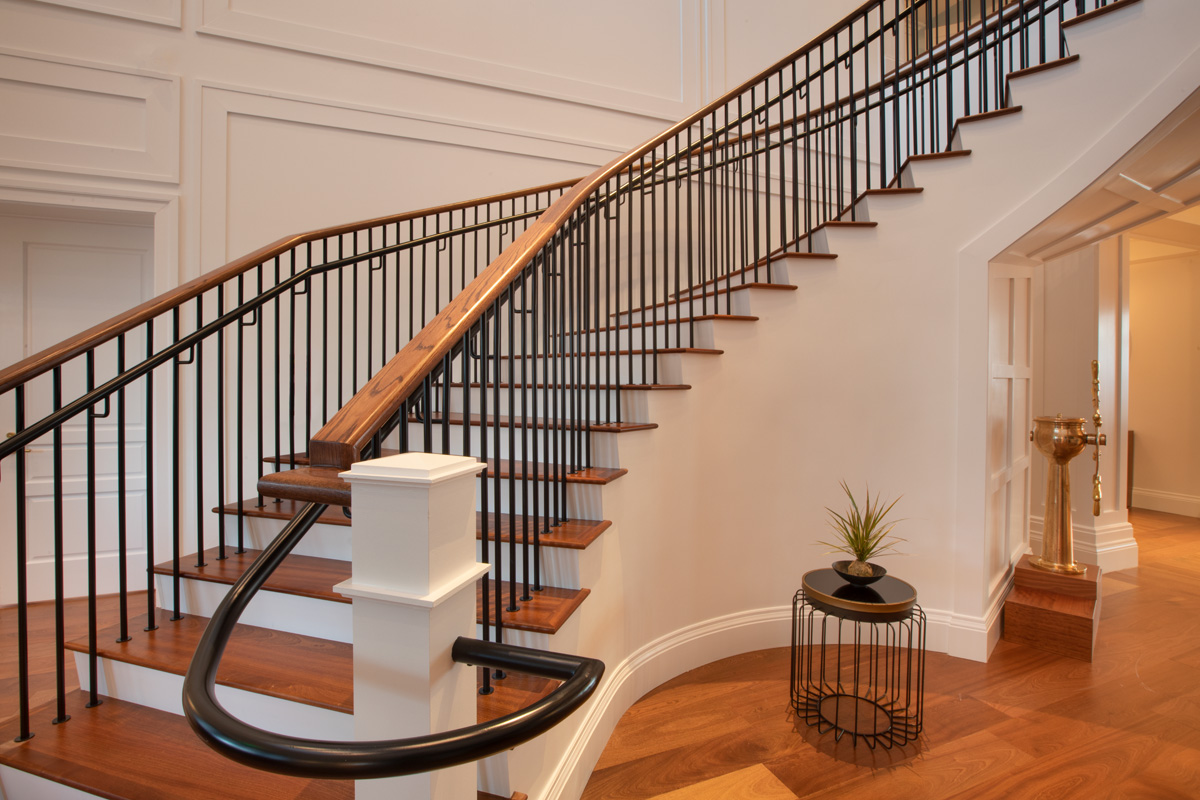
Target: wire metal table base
(857, 676)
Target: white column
(413, 584)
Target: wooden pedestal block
(1049, 611)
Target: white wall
(1084, 308)
(1165, 384)
(267, 118)
(232, 124)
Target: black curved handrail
(348, 760)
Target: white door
(1010, 372)
(61, 275)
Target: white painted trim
(1168, 502)
(435, 598)
(219, 19)
(1110, 547)
(170, 14)
(702, 643)
(158, 93)
(413, 469)
(15, 784)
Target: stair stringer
(875, 371)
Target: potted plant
(863, 533)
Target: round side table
(858, 658)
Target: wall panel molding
(160, 12)
(567, 55)
(231, 116)
(87, 118)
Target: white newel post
(413, 584)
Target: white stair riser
(644, 337)
(285, 612)
(582, 500)
(695, 306)
(517, 443)
(601, 404)
(321, 541)
(619, 371)
(163, 690)
(560, 566)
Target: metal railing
(526, 360)
(187, 397)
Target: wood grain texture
(1026, 724)
(455, 418)
(751, 783)
(124, 751)
(306, 576)
(574, 534)
(303, 669)
(510, 694)
(546, 611)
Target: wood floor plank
(751, 783)
(1026, 724)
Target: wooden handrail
(341, 441)
(59, 354)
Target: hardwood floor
(1027, 724)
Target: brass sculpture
(1061, 439)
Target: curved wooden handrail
(93, 337)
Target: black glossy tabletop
(886, 600)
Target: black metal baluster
(60, 667)
(122, 503)
(220, 436)
(93, 671)
(176, 454)
(198, 360)
(151, 617)
(24, 733)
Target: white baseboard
(1110, 547)
(1167, 502)
(703, 643)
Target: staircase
(620, 576)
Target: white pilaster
(413, 584)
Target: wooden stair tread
(291, 666)
(123, 750)
(1058, 62)
(591, 475)
(514, 692)
(316, 577)
(305, 576)
(681, 321)
(456, 418)
(545, 613)
(721, 290)
(283, 510)
(625, 387)
(706, 351)
(574, 534)
(595, 476)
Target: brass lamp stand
(1060, 440)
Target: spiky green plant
(863, 532)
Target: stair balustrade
(597, 287)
